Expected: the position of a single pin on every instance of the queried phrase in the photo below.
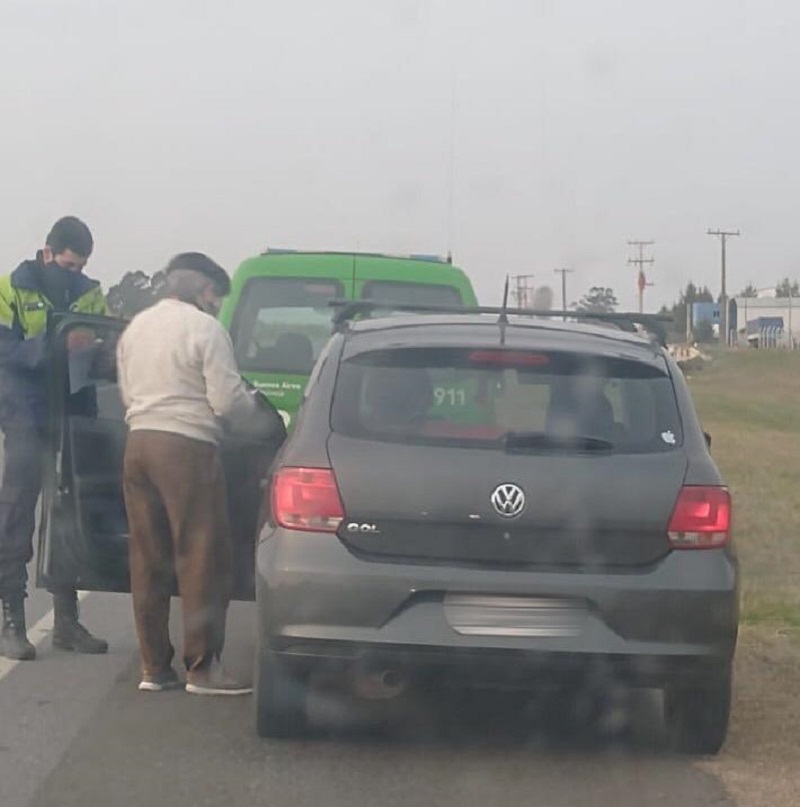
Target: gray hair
(198, 262)
(185, 284)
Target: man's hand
(80, 339)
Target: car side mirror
(708, 439)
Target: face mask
(66, 262)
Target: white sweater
(177, 373)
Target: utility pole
(522, 291)
(723, 236)
(640, 261)
(563, 273)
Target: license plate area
(480, 615)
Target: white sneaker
(214, 680)
(160, 682)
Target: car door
(83, 534)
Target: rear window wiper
(520, 441)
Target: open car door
(83, 533)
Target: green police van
(279, 316)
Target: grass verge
(750, 403)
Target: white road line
(36, 635)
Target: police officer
(53, 281)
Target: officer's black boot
(15, 644)
(68, 633)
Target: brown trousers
(178, 519)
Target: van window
(411, 293)
(283, 323)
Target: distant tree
(691, 294)
(704, 332)
(702, 294)
(787, 288)
(749, 291)
(134, 292)
(599, 299)
(543, 299)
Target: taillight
(701, 518)
(306, 499)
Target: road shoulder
(760, 764)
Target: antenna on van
(502, 320)
(451, 160)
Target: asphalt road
(75, 731)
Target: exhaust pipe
(380, 684)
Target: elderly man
(180, 384)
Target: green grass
(750, 402)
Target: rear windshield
(411, 293)
(510, 398)
(282, 324)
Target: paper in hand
(80, 368)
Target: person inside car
(579, 407)
(396, 399)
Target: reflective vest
(23, 308)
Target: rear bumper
(322, 607)
(501, 668)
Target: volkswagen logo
(508, 500)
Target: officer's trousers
(19, 494)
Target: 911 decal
(449, 396)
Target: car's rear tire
(697, 716)
(280, 698)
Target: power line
(723, 236)
(563, 273)
(640, 261)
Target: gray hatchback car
(497, 501)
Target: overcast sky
(573, 126)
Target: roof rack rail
(653, 324)
(421, 257)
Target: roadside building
(765, 321)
